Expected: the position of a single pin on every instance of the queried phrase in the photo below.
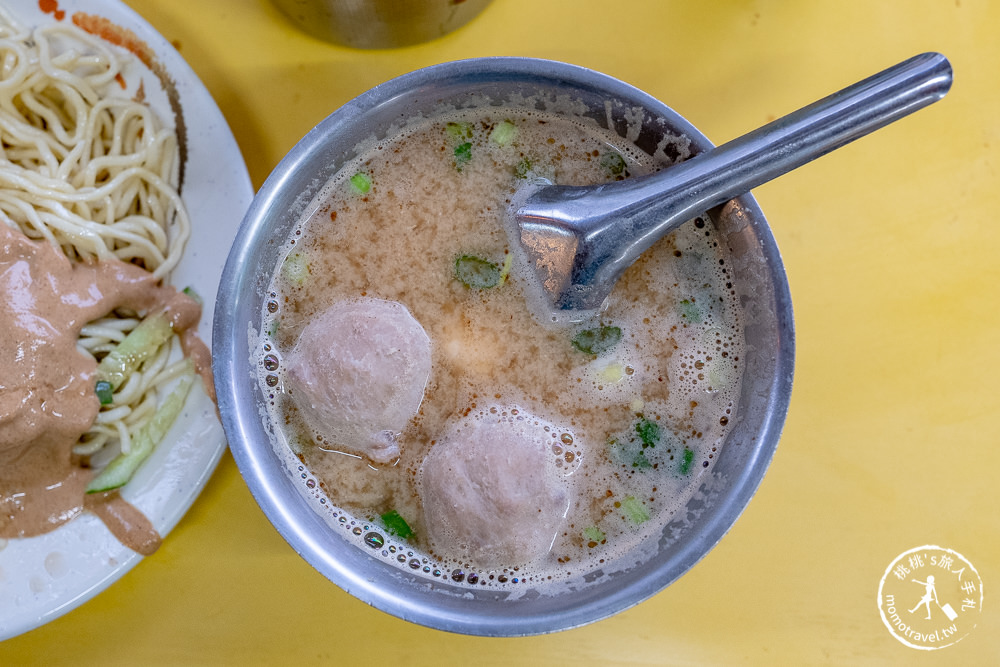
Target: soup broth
(631, 407)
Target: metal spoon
(579, 240)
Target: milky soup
(442, 423)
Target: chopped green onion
(649, 432)
(613, 164)
(641, 462)
(104, 393)
(594, 534)
(463, 153)
(686, 460)
(123, 467)
(689, 311)
(597, 341)
(361, 182)
(504, 133)
(635, 511)
(296, 268)
(459, 130)
(650, 444)
(139, 345)
(629, 453)
(189, 291)
(523, 168)
(396, 524)
(476, 272)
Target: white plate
(44, 577)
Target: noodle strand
(93, 173)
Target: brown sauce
(125, 522)
(47, 393)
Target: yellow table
(892, 437)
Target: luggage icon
(948, 611)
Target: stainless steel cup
(380, 24)
(426, 597)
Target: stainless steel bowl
(380, 24)
(269, 469)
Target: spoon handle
(813, 131)
(650, 206)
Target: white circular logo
(930, 597)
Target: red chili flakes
(115, 34)
(52, 7)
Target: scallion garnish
(686, 460)
(597, 341)
(690, 311)
(613, 164)
(463, 153)
(189, 291)
(361, 182)
(477, 273)
(523, 168)
(104, 392)
(396, 524)
(459, 130)
(649, 432)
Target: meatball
(491, 493)
(357, 375)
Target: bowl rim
(235, 382)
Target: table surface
(892, 435)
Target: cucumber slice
(635, 511)
(140, 344)
(122, 467)
(295, 268)
(504, 133)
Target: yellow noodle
(94, 173)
